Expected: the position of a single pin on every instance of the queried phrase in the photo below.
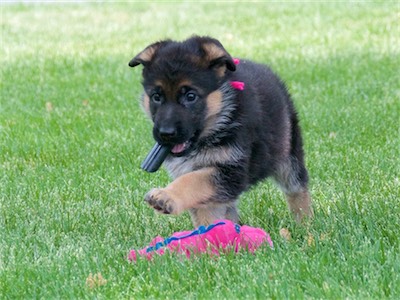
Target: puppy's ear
(147, 55)
(217, 56)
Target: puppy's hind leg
(292, 177)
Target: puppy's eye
(190, 97)
(156, 98)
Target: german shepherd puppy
(229, 124)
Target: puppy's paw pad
(161, 201)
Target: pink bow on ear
(237, 85)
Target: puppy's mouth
(184, 148)
(180, 149)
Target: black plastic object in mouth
(156, 157)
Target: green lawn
(72, 136)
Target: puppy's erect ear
(217, 56)
(147, 55)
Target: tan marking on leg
(207, 215)
(300, 205)
(187, 191)
(191, 189)
(216, 211)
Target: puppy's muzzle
(168, 127)
(167, 134)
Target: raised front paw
(161, 201)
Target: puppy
(229, 124)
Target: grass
(72, 137)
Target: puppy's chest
(178, 166)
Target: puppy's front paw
(161, 201)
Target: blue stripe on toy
(202, 229)
(237, 228)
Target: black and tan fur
(229, 139)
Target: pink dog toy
(222, 235)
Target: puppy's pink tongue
(178, 148)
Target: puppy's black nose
(167, 133)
